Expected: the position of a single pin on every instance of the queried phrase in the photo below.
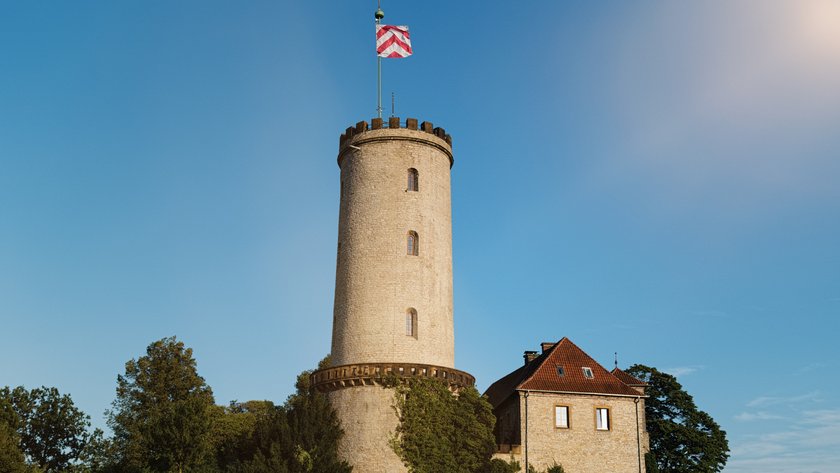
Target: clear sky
(657, 179)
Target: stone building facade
(393, 296)
(562, 406)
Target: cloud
(808, 443)
(812, 367)
(682, 370)
(766, 401)
(753, 416)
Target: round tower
(393, 294)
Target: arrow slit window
(413, 180)
(413, 244)
(411, 322)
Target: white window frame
(602, 419)
(566, 410)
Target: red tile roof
(627, 379)
(541, 374)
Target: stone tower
(393, 291)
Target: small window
(561, 417)
(602, 418)
(413, 180)
(587, 372)
(560, 371)
(413, 246)
(411, 323)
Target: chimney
(529, 356)
(547, 346)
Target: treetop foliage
(48, 428)
(164, 420)
(161, 415)
(683, 439)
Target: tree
(299, 437)
(162, 414)
(52, 432)
(683, 439)
(314, 429)
(442, 431)
(251, 437)
(500, 466)
(11, 457)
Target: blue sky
(653, 178)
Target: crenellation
(394, 123)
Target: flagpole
(379, 15)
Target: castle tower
(393, 295)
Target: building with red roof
(563, 407)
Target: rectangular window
(587, 372)
(602, 418)
(561, 417)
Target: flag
(392, 41)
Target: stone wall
(581, 448)
(367, 416)
(376, 281)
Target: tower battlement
(393, 123)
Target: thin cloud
(682, 370)
(766, 401)
(809, 442)
(757, 416)
(812, 367)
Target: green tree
(555, 468)
(163, 411)
(314, 429)
(99, 456)
(299, 437)
(683, 439)
(442, 431)
(11, 457)
(53, 433)
(251, 437)
(650, 463)
(500, 466)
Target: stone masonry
(580, 448)
(379, 281)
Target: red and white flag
(392, 41)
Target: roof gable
(572, 359)
(541, 374)
(627, 379)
